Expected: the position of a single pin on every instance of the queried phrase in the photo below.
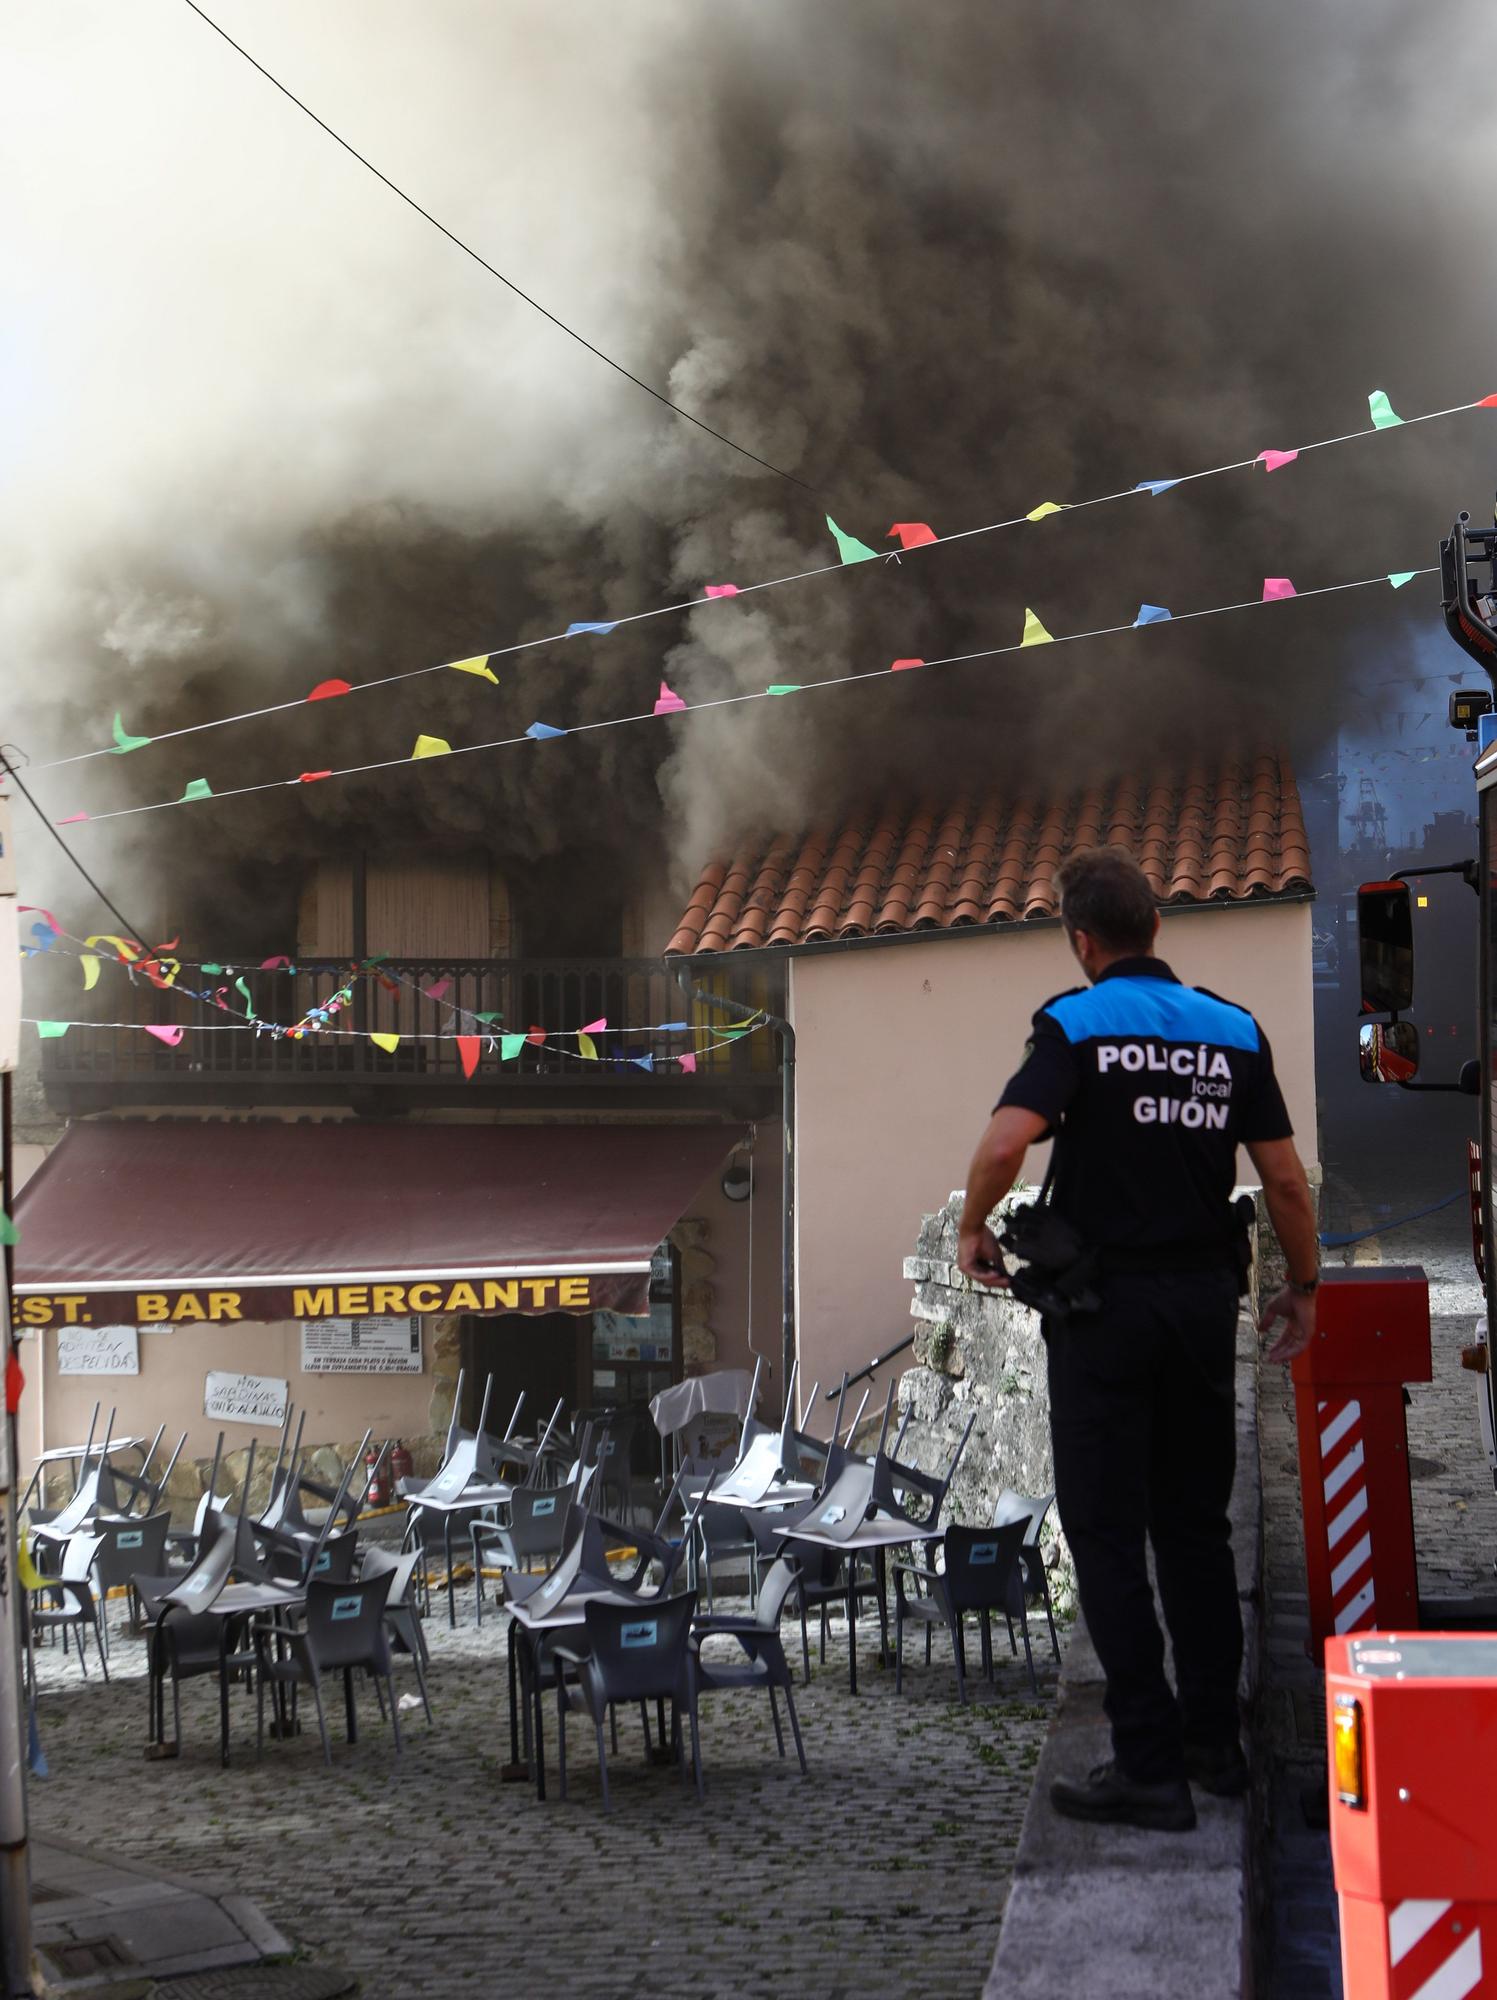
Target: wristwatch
(1303, 1291)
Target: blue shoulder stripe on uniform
(1153, 1007)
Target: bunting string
(1275, 590)
(912, 536)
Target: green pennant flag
(10, 1236)
(510, 1046)
(1399, 577)
(197, 788)
(52, 1031)
(1384, 416)
(210, 968)
(784, 687)
(123, 740)
(849, 547)
(249, 1004)
(488, 1019)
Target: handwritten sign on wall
(97, 1350)
(245, 1399)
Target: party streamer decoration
(849, 547)
(170, 1035)
(905, 666)
(10, 1236)
(542, 732)
(912, 534)
(784, 687)
(1272, 460)
(478, 665)
(123, 740)
(51, 1031)
(720, 590)
(1399, 577)
(1045, 507)
(1034, 632)
(389, 1043)
(197, 788)
(1384, 416)
(330, 690)
(468, 1050)
(431, 746)
(1275, 587)
(594, 626)
(1150, 614)
(668, 703)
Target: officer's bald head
(1106, 905)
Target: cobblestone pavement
(884, 1872)
(1455, 1523)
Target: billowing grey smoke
(942, 263)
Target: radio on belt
(1412, 1722)
(1371, 1337)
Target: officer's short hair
(1104, 892)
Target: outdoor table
(235, 1600)
(469, 1501)
(788, 1495)
(874, 1538)
(568, 1616)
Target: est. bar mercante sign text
(625, 1292)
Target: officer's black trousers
(1143, 1419)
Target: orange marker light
(1346, 1751)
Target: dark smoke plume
(943, 264)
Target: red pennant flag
(1487, 403)
(325, 690)
(311, 777)
(536, 1035)
(912, 534)
(15, 1382)
(903, 666)
(468, 1047)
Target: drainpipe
(787, 1165)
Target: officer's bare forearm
(997, 1161)
(1291, 1206)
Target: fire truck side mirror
(1385, 946)
(1388, 1051)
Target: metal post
(15, 1884)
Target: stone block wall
(978, 1353)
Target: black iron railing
(426, 1004)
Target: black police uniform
(1150, 1086)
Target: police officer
(1148, 1087)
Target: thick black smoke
(941, 264)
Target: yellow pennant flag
(31, 1577)
(479, 665)
(389, 1043)
(90, 963)
(587, 1048)
(431, 746)
(1034, 632)
(1045, 507)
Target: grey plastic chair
(402, 1617)
(982, 1574)
(345, 1628)
(128, 1549)
(74, 1605)
(534, 1533)
(635, 1653)
(763, 1663)
(1030, 1507)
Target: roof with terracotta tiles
(1213, 833)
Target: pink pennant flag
(594, 1027)
(689, 1065)
(73, 819)
(171, 1036)
(36, 910)
(468, 1047)
(1272, 460)
(912, 534)
(670, 703)
(1487, 403)
(722, 589)
(1276, 586)
(436, 989)
(272, 964)
(904, 666)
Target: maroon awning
(176, 1221)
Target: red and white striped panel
(1434, 1950)
(1343, 1473)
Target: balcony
(426, 1004)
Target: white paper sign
(361, 1346)
(245, 1399)
(97, 1350)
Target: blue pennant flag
(603, 629)
(542, 731)
(1150, 614)
(1155, 486)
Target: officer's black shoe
(1110, 1795)
(1218, 1768)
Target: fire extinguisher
(402, 1465)
(374, 1490)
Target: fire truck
(1389, 1049)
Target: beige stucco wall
(902, 1051)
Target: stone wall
(978, 1352)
